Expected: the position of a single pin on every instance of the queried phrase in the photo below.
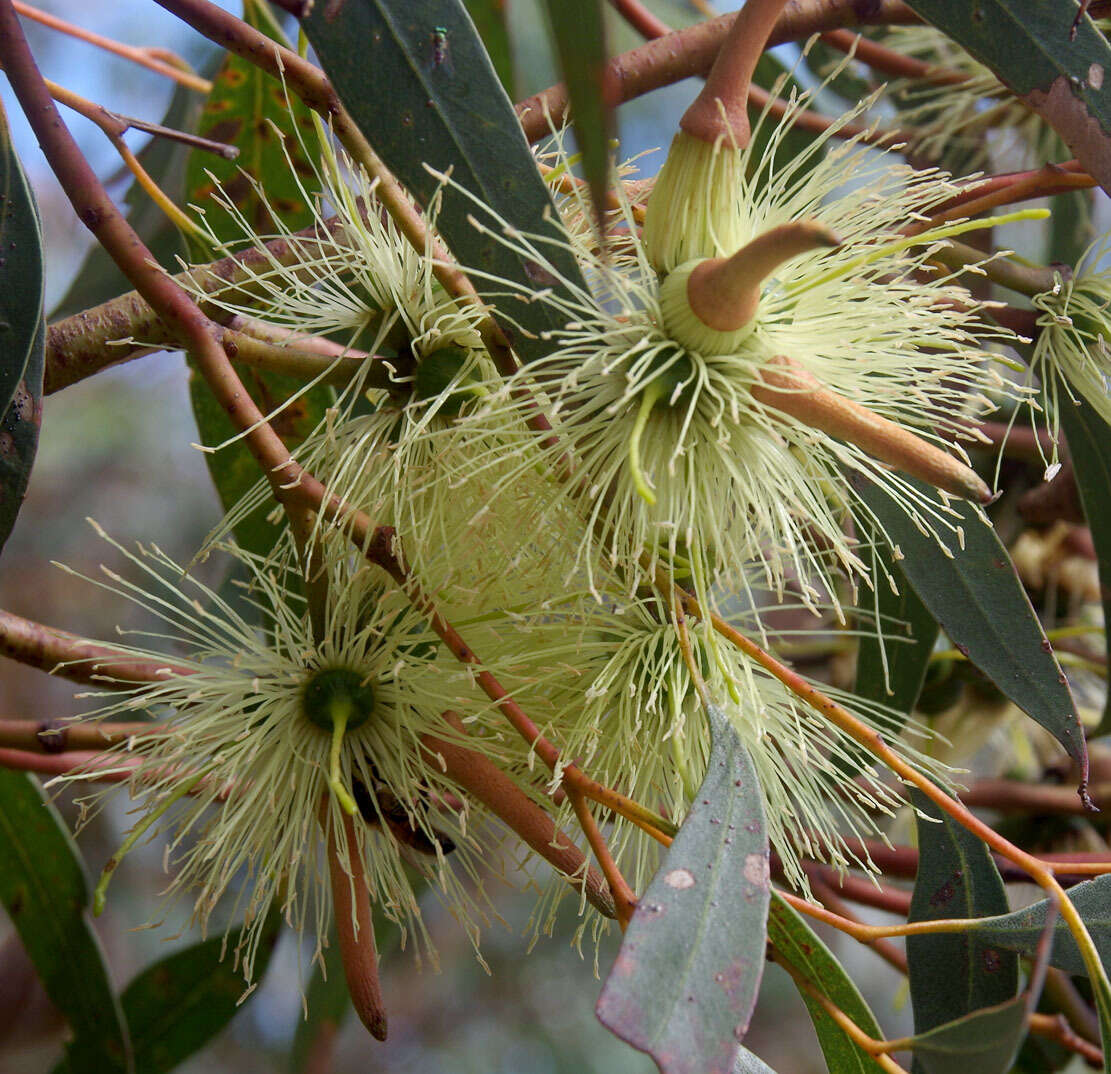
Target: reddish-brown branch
(641, 19)
(623, 898)
(87, 763)
(884, 948)
(890, 62)
(60, 653)
(859, 890)
(691, 52)
(61, 736)
(486, 783)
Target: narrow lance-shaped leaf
(685, 980)
(954, 974)
(491, 20)
(1032, 49)
(19, 435)
(178, 1004)
(249, 109)
(795, 942)
(43, 888)
(435, 100)
(1088, 438)
(976, 596)
(579, 29)
(985, 1042)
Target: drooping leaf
(99, 278)
(491, 20)
(1029, 46)
(21, 270)
(435, 100)
(579, 29)
(795, 942)
(243, 109)
(19, 435)
(953, 974)
(179, 1003)
(985, 1042)
(975, 595)
(1088, 437)
(1021, 930)
(44, 890)
(685, 980)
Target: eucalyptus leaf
(44, 889)
(19, 435)
(579, 29)
(954, 974)
(1031, 48)
(685, 980)
(985, 1042)
(797, 943)
(435, 102)
(975, 595)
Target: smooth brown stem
(624, 900)
(815, 123)
(721, 108)
(354, 924)
(66, 655)
(1012, 796)
(486, 783)
(84, 762)
(691, 52)
(884, 948)
(724, 292)
(890, 62)
(859, 890)
(788, 387)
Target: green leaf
(327, 1002)
(491, 20)
(685, 980)
(1088, 438)
(21, 272)
(985, 1042)
(240, 111)
(436, 100)
(99, 278)
(19, 435)
(796, 943)
(955, 973)
(44, 889)
(178, 1004)
(977, 598)
(579, 29)
(1021, 930)
(1027, 44)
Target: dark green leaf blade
(1088, 437)
(685, 980)
(1029, 47)
(1021, 930)
(21, 269)
(985, 1042)
(44, 889)
(977, 598)
(797, 943)
(178, 1004)
(491, 20)
(436, 100)
(19, 435)
(579, 29)
(243, 109)
(954, 974)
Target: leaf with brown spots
(685, 980)
(240, 110)
(953, 974)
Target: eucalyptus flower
(1073, 349)
(275, 739)
(697, 442)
